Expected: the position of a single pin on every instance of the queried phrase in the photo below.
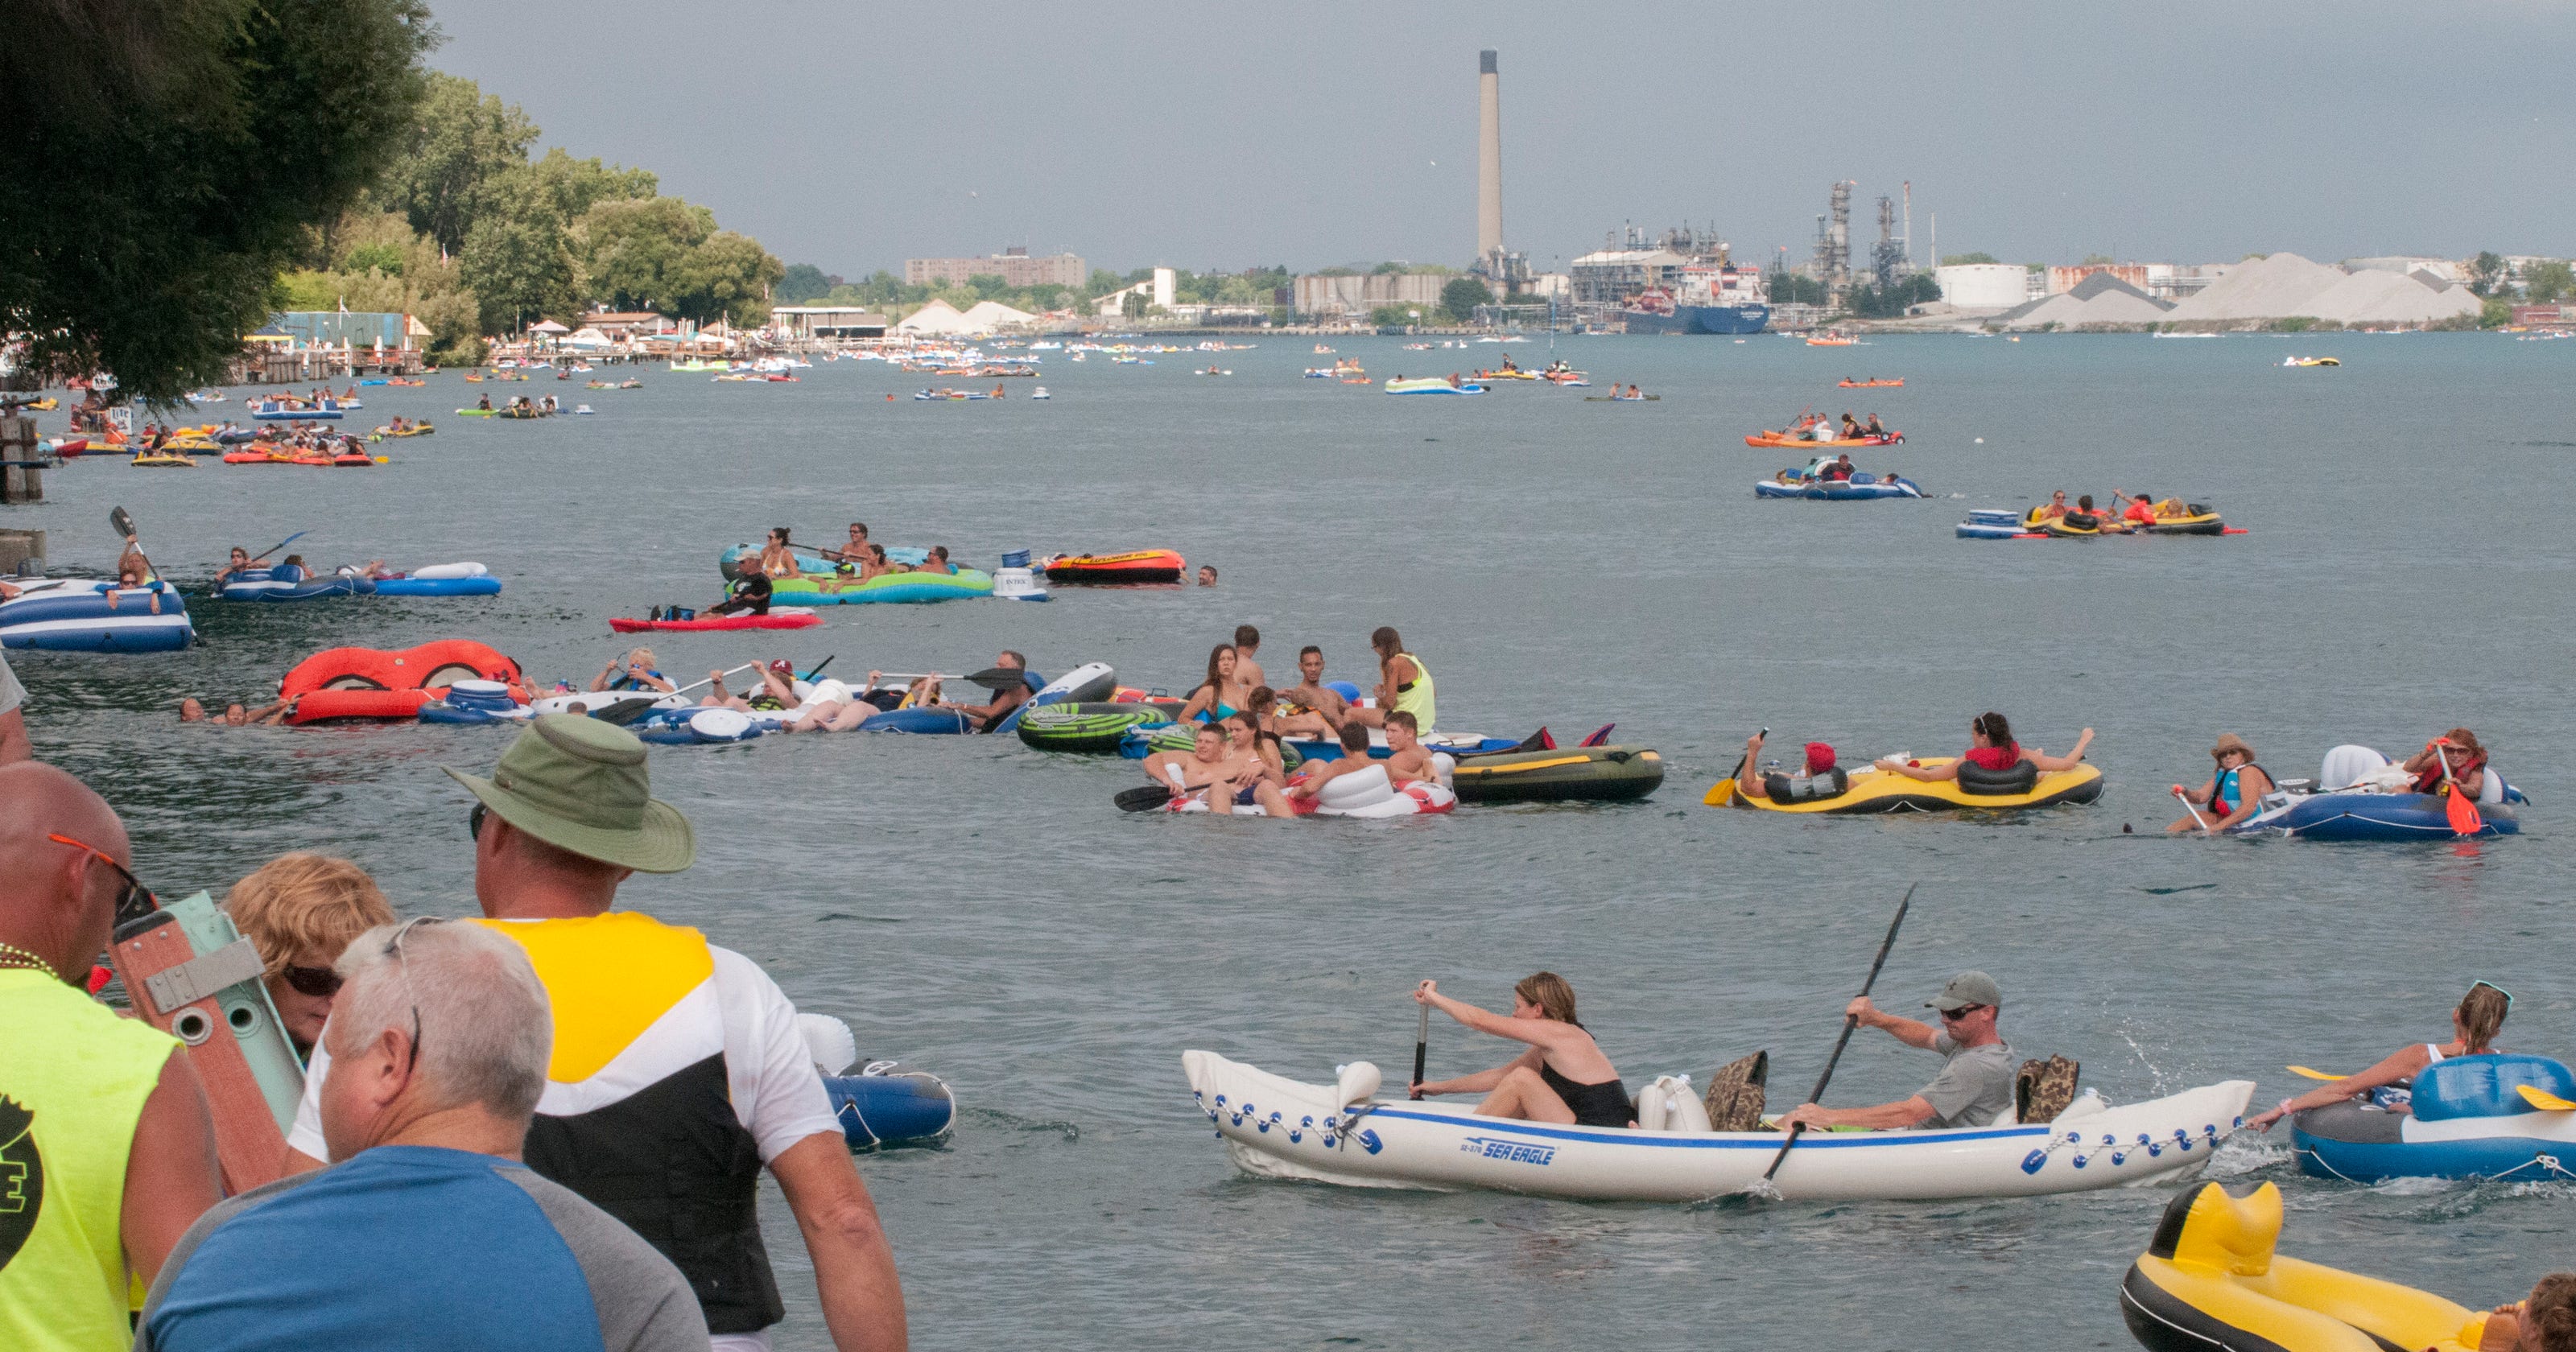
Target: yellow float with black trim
(1875, 790)
(2210, 1282)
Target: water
(981, 909)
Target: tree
(2097, 259)
(578, 185)
(1794, 288)
(518, 257)
(726, 275)
(1461, 297)
(633, 250)
(461, 140)
(802, 282)
(2485, 271)
(1887, 302)
(1967, 259)
(2548, 283)
(166, 161)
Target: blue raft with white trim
(73, 615)
(2464, 1117)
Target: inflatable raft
(684, 724)
(1089, 728)
(2365, 809)
(1086, 683)
(1342, 1133)
(889, 1104)
(296, 410)
(1602, 774)
(1432, 385)
(1860, 487)
(263, 584)
(779, 617)
(2212, 1281)
(1791, 441)
(894, 588)
(373, 684)
(1875, 790)
(1144, 565)
(2464, 1117)
(70, 614)
(809, 562)
(442, 579)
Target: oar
(1850, 1022)
(2187, 807)
(124, 525)
(2534, 1095)
(2308, 1073)
(279, 545)
(627, 710)
(2465, 820)
(1148, 797)
(1422, 1051)
(1718, 792)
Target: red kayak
(784, 617)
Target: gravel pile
(2100, 301)
(2391, 298)
(2267, 288)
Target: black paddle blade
(1144, 797)
(626, 711)
(124, 524)
(1000, 678)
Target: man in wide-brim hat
(2234, 792)
(678, 1070)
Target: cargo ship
(1708, 299)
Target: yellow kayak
(1875, 790)
(166, 461)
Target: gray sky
(853, 136)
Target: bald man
(107, 1148)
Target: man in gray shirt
(1975, 1085)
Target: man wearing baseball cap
(1975, 1085)
(677, 1071)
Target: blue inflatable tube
(486, 585)
(1859, 487)
(2376, 817)
(72, 615)
(920, 719)
(2464, 1118)
(261, 584)
(891, 1105)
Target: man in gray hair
(430, 1232)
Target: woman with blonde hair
(300, 910)
(1563, 1077)
(2474, 1024)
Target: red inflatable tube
(372, 683)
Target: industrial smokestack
(1489, 161)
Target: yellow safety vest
(1417, 701)
(72, 1086)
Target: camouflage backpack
(1734, 1099)
(2042, 1089)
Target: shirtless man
(1407, 761)
(1247, 640)
(1004, 700)
(1313, 776)
(1308, 707)
(937, 562)
(855, 550)
(234, 715)
(1226, 774)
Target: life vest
(2431, 780)
(67, 1121)
(2225, 794)
(637, 1115)
(1806, 788)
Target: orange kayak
(1872, 384)
(1782, 439)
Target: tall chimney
(1489, 159)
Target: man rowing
(1975, 1085)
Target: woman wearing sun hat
(2234, 792)
(678, 1071)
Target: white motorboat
(1340, 1133)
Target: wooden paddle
(2463, 813)
(1719, 792)
(1850, 1022)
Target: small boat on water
(2312, 361)
(1432, 385)
(1344, 1133)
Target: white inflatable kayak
(1279, 1128)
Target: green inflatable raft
(1090, 729)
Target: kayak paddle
(1143, 798)
(627, 710)
(1850, 1022)
(2308, 1073)
(2545, 1101)
(279, 545)
(2465, 820)
(2187, 807)
(1422, 1051)
(124, 524)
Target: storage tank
(1983, 286)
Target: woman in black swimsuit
(1562, 1078)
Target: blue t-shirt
(417, 1247)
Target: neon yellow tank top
(66, 1125)
(1417, 701)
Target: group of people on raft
(1235, 758)
(2125, 511)
(1817, 427)
(857, 560)
(824, 704)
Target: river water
(982, 910)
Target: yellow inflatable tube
(2210, 1280)
(1876, 790)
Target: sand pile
(2099, 301)
(2391, 298)
(2268, 288)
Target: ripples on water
(980, 909)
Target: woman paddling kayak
(1563, 1077)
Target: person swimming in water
(1563, 1078)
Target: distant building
(1358, 295)
(2181, 281)
(827, 321)
(1013, 266)
(1159, 292)
(626, 325)
(1611, 275)
(2546, 316)
(2064, 279)
(342, 328)
(1983, 286)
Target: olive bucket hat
(580, 784)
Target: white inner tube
(719, 724)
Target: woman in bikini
(1562, 1078)
(1220, 694)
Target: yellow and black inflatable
(2210, 1280)
(1875, 790)
(2173, 517)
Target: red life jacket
(2430, 780)
(1994, 757)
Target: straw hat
(2228, 741)
(579, 784)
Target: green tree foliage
(1892, 300)
(1461, 297)
(1794, 288)
(518, 257)
(1966, 259)
(2495, 312)
(461, 140)
(661, 253)
(2485, 272)
(2548, 283)
(802, 282)
(166, 159)
(727, 275)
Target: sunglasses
(2508, 995)
(318, 982)
(474, 821)
(393, 950)
(1963, 1011)
(133, 900)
